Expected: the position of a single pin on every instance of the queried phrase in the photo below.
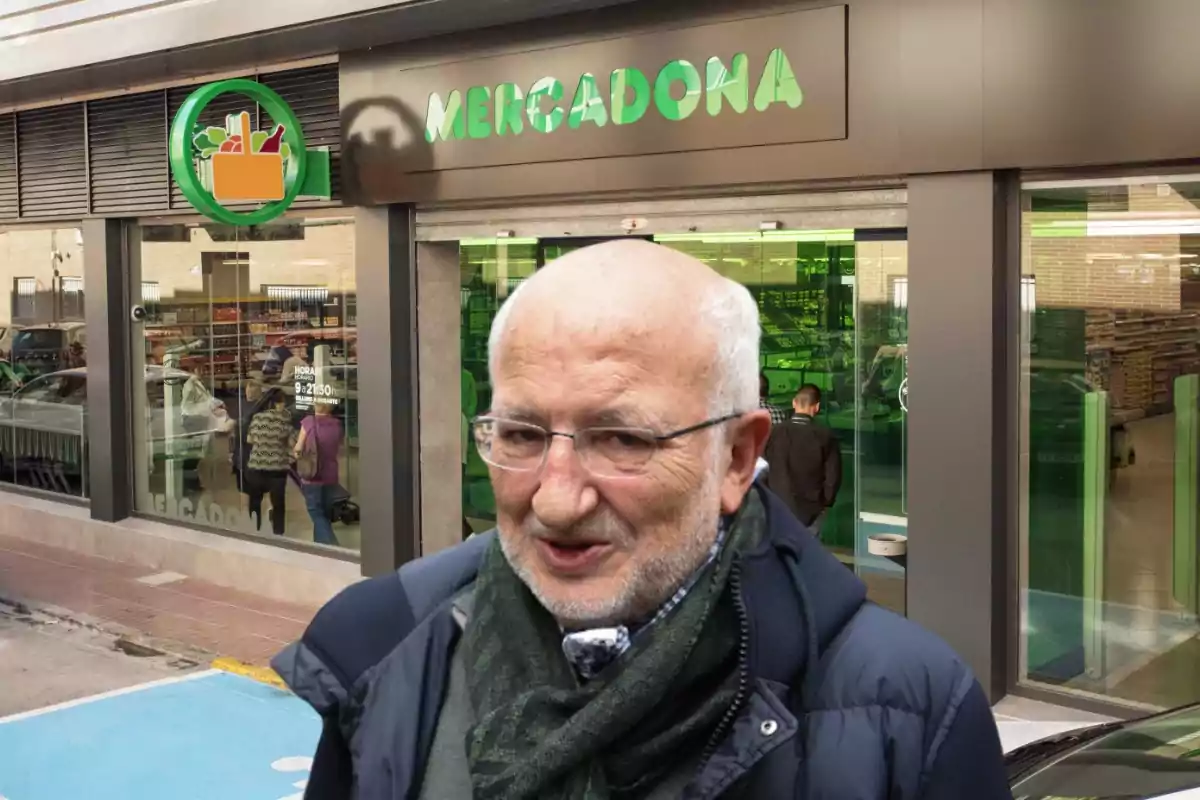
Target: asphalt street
(46, 660)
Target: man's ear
(745, 440)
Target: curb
(261, 674)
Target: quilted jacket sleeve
(346, 638)
(970, 762)
(332, 775)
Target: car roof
(152, 370)
(54, 326)
(1076, 769)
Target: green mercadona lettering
(508, 109)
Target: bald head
(634, 293)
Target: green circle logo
(236, 164)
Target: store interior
(833, 309)
(1109, 406)
(238, 322)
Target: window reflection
(1109, 406)
(489, 271)
(43, 361)
(250, 378)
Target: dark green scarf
(539, 734)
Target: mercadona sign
(676, 93)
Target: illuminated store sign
(676, 93)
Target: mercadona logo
(218, 166)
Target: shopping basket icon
(243, 175)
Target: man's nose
(565, 493)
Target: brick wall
(877, 266)
(1141, 335)
(1124, 272)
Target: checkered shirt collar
(591, 651)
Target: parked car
(1152, 757)
(57, 404)
(43, 349)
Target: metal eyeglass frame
(658, 438)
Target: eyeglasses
(607, 452)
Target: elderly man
(647, 621)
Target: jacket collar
(788, 632)
(797, 595)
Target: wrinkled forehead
(582, 362)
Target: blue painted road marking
(212, 736)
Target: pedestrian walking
(806, 461)
(270, 438)
(322, 432)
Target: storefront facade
(887, 179)
(147, 335)
(1004, 189)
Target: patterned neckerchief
(778, 415)
(591, 651)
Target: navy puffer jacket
(845, 700)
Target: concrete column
(107, 317)
(385, 263)
(962, 443)
(439, 323)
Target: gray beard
(645, 587)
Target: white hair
(731, 314)
(500, 326)
(730, 311)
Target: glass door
(881, 409)
(1110, 438)
(833, 307)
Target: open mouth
(571, 556)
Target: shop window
(1110, 436)
(249, 349)
(43, 362)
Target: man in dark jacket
(805, 460)
(647, 621)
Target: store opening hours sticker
(310, 390)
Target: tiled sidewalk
(225, 623)
(166, 607)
